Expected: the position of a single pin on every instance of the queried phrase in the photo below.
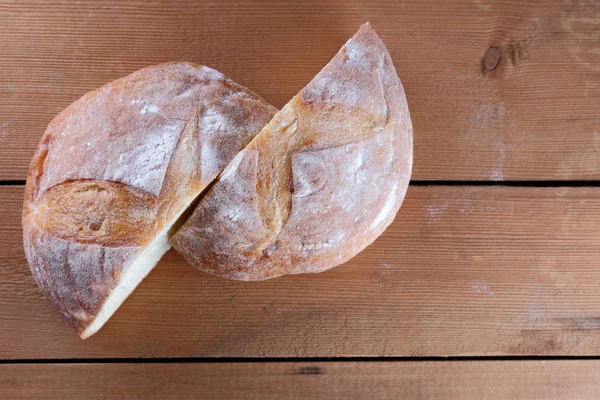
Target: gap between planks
(250, 360)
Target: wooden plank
(532, 380)
(462, 271)
(534, 116)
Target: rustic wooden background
(493, 260)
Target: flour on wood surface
(483, 289)
(5, 129)
(466, 208)
(497, 173)
(435, 210)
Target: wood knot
(492, 58)
(308, 370)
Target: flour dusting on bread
(320, 182)
(116, 169)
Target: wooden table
(487, 285)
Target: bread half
(113, 173)
(320, 182)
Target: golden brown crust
(119, 164)
(102, 212)
(76, 277)
(320, 182)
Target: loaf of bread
(121, 174)
(114, 172)
(319, 183)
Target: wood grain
(498, 89)
(462, 271)
(532, 380)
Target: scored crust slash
(121, 174)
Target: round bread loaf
(319, 183)
(116, 169)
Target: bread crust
(320, 182)
(117, 166)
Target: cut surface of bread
(116, 169)
(320, 182)
(139, 268)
